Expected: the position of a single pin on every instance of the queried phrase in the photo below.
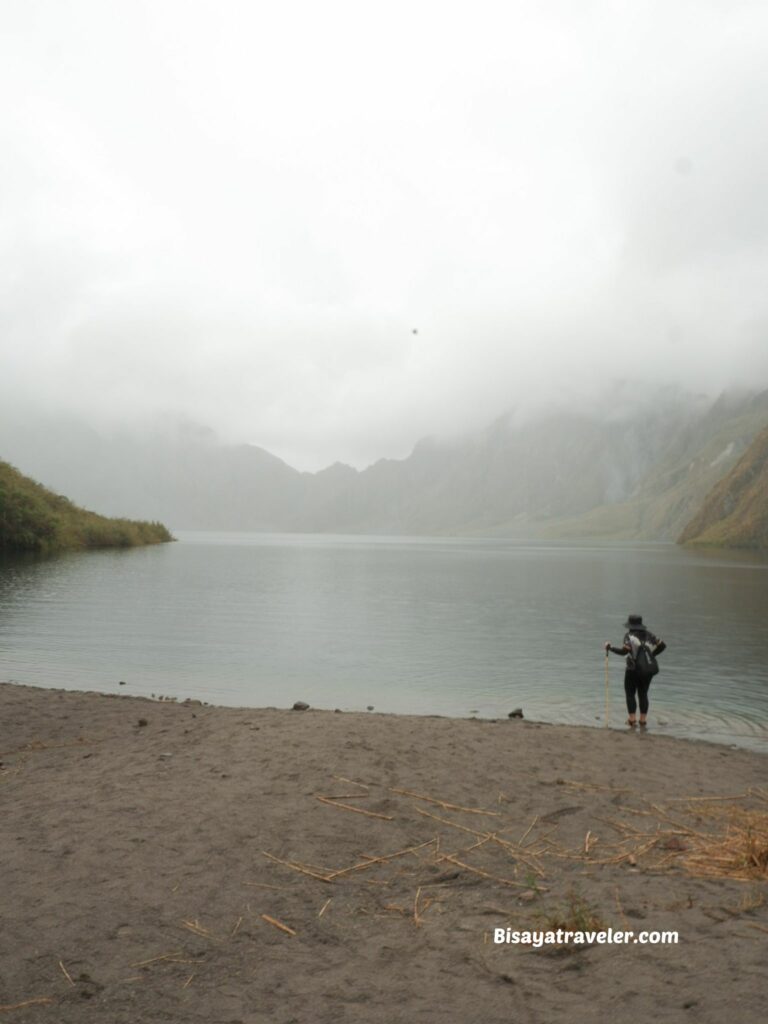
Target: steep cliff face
(735, 512)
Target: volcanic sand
(185, 863)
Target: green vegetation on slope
(32, 518)
(735, 512)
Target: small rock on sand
(301, 705)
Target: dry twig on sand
(510, 847)
(156, 959)
(486, 874)
(357, 810)
(370, 861)
(197, 928)
(416, 918)
(66, 973)
(352, 782)
(278, 924)
(38, 1001)
(444, 804)
(297, 867)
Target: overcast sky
(330, 228)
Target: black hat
(634, 622)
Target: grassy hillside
(735, 512)
(32, 518)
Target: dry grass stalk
(634, 810)
(197, 928)
(707, 799)
(298, 867)
(478, 844)
(751, 901)
(510, 847)
(527, 832)
(631, 856)
(66, 974)
(278, 924)
(324, 907)
(739, 851)
(236, 929)
(352, 782)
(594, 786)
(447, 821)
(349, 807)
(442, 803)
(156, 959)
(188, 982)
(370, 861)
(346, 796)
(485, 874)
(38, 1001)
(263, 885)
(620, 826)
(672, 821)
(416, 918)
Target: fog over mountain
(644, 473)
(330, 230)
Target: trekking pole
(607, 695)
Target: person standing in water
(635, 685)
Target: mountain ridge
(637, 473)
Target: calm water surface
(445, 626)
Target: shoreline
(155, 852)
(755, 743)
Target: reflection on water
(439, 626)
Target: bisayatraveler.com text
(563, 937)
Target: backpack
(646, 665)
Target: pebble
(517, 713)
(301, 705)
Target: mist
(332, 230)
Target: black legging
(634, 684)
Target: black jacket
(644, 636)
